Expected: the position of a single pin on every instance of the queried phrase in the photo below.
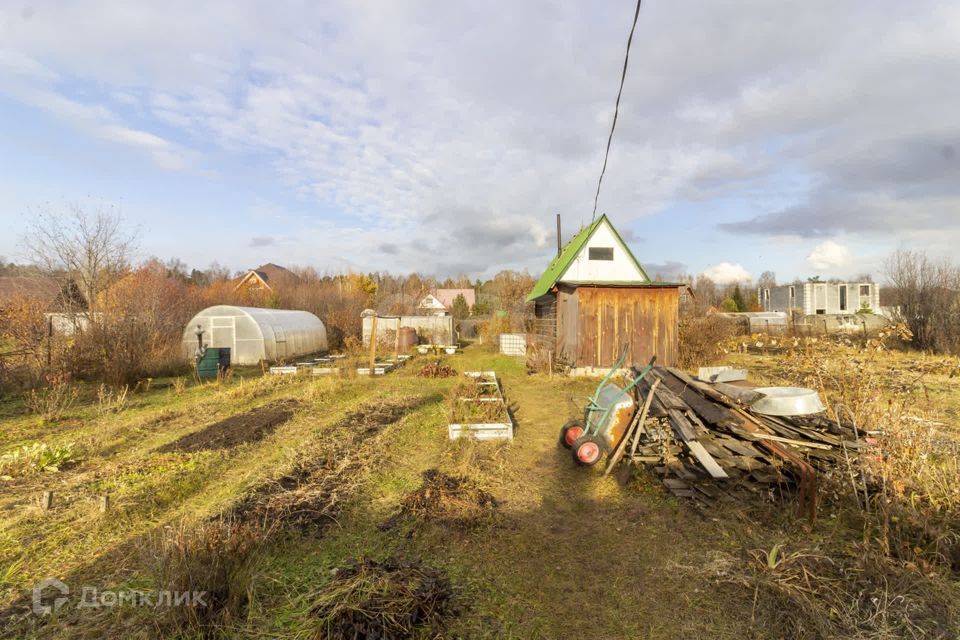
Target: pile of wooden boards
(707, 444)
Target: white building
(819, 298)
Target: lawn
(564, 553)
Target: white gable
(620, 269)
(430, 302)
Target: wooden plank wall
(567, 319)
(610, 318)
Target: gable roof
(51, 291)
(447, 296)
(270, 275)
(559, 265)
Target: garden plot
(477, 408)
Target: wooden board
(610, 318)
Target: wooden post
(46, 502)
(396, 343)
(550, 364)
(373, 344)
(104, 503)
(49, 341)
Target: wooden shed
(594, 298)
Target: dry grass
(52, 401)
(214, 559)
(390, 600)
(813, 594)
(470, 402)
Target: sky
(805, 137)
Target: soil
(452, 500)
(310, 496)
(235, 430)
(368, 419)
(386, 600)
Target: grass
(565, 553)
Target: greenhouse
(253, 334)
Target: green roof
(558, 266)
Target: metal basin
(787, 401)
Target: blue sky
(800, 137)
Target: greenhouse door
(280, 339)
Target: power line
(616, 110)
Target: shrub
(53, 400)
(701, 340)
(491, 329)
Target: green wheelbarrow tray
(606, 417)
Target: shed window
(601, 253)
(865, 290)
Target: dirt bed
(369, 418)
(391, 600)
(451, 500)
(311, 495)
(235, 430)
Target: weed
(179, 386)
(214, 558)
(35, 458)
(53, 400)
(470, 402)
(111, 401)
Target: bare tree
(92, 248)
(927, 291)
(767, 280)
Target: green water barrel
(209, 364)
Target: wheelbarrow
(606, 417)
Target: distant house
(821, 298)
(56, 295)
(266, 278)
(441, 301)
(594, 299)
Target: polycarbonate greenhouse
(255, 334)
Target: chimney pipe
(559, 242)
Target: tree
(92, 248)
(767, 280)
(737, 297)
(927, 291)
(459, 309)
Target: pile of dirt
(311, 494)
(241, 428)
(386, 600)
(452, 500)
(436, 370)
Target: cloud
(262, 241)
(828, 255)
(388, 248)
(726, 273)
(461, 152)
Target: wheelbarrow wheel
(571, 431)
(587, 450)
